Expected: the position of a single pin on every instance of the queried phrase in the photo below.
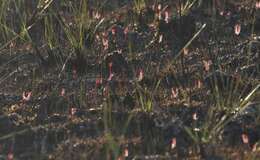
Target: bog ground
(137, 80)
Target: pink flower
(73, 111)
(110, 71)
(98, 82)
(153, 7)
(97, 37)
(96, 15)
(140, 75)
(174, 93)
(27, 96)
(195, 116)
(185, 51)
(222, 13)
(160, 38)
(173, 143)
(126, 30)
(257, 5)
(159, 11)
(111, 75)
(126, 152)
(110, 64)
(105, 43)
(237, 28)
(199, 84)
(12, 44)
(159, 7)
(74, 72)
(106, 91)
(120, 158)
(159, 15)
(245, 138)
(113, 30)
(62, 92)
(10, 156)
(167, 17)
(207, 65)
(254, 147)
(228, 13)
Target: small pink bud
(237, 29)
(173, 143)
